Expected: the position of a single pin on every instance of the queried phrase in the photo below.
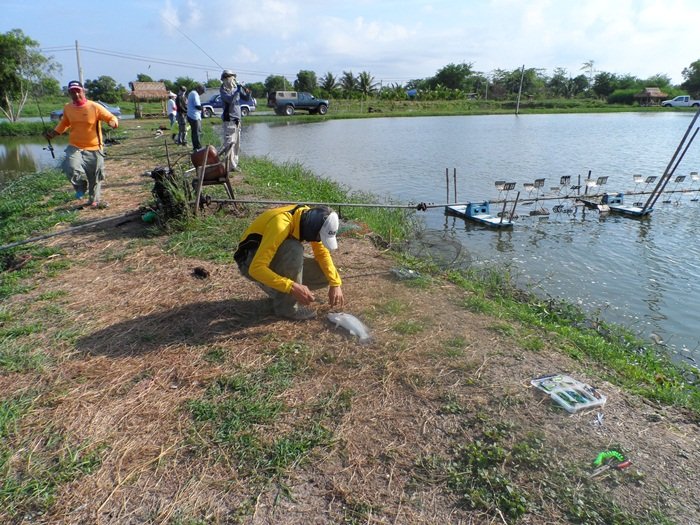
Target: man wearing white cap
(84, 156)
(271, 254)
(231, 119)
(171, 110)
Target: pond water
(644, 274)
(25, 155)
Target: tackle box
(572, 395)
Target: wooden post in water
(585, 192)
(454, 180)
(447, 184)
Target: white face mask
(229, 83)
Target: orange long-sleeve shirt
(84, 124)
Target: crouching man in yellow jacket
(84, 160)
(271, 253)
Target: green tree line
(25, 73)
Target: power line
(176, 63)
(142, 59)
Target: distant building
(650, 96)
(148, 92)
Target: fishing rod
(421, 206)
(41, 116)
(670, 174)
(193, 42)
(127, 215)
(667, 172)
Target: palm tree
(366, 84)
(328, 83)
(588, 66)
(348, 83)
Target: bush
(22, 129)
(623, 96)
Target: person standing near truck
(181, 106)
(171, 110)
(230, 91)
(194, 115)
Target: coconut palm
(348, 83)
(366, 84)
(328, 83)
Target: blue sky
(394, 40)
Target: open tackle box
(571, 394)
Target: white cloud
(392, 39)
(359, 37)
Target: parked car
(682, 101)
(215, 107)
(114, 110)
(287, 102)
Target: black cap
(312, 220)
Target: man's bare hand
(302, 294)
(335, 297)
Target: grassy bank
(373, 108)
(134, 389)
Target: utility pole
(80, 69)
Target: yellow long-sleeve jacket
(275, 226)
(84, 124)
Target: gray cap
(227, 73)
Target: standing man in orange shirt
(84, 160)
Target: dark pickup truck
(287, 102)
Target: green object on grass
(149, 216)
(608, 454)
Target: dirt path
(151, 338)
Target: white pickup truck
(682, 101)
